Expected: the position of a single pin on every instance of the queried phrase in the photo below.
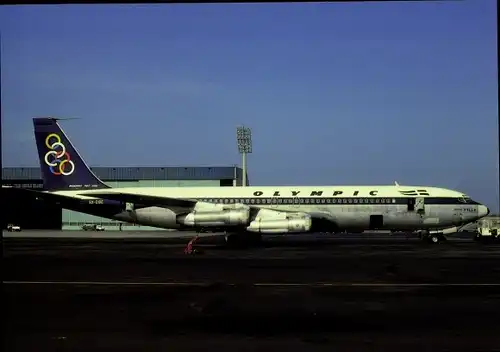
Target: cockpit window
(465, 199)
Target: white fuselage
(344, 207)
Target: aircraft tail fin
(61, 165)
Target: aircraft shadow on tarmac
(318, 242)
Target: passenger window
(349, 200)
(355, 201)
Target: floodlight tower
(244, 138)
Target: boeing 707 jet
(246, 212)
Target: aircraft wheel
(436, 238)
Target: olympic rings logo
(57, 158)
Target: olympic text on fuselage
(312, 194)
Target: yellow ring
(49, 137)
(61, 166)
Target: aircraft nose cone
(482, 211)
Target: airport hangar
(29, 213)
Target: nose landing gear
(433, 238)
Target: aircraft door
(376, 222)
(296, 202)
(411, 204)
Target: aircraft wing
(143, 199)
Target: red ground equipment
(190, 246)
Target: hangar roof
(139, 173)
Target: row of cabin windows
(301, 200)
(90, 222)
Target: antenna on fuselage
(396, 183)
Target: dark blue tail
(61, 165)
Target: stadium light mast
(244, 138)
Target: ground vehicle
(13, 228)
(488, 230)
(92, 227)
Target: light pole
(244, 138)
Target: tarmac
(344, 293)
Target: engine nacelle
(291, 225)
(215, 218)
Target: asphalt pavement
(328, 294)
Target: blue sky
(361, 93)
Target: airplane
(247, 213)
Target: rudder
(61, 165)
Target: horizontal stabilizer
(143, 199)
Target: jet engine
(289, 225)
(215, 218)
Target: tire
(434, 239)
